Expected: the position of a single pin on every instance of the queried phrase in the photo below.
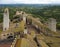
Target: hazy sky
(30, 1)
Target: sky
(30, 1)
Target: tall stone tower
(52, 24)
(6, 20)
(24, 17)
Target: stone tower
(52, 24)
(24, 17)
(6, 20)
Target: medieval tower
(6, 20)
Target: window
(10, 33)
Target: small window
(7, 34)
(10, 33)
(3, 35)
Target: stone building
(52, 24)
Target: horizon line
(33, 3)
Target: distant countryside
(42, 11)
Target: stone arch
(10, 35)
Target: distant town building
(24, 17)
(52, 24)
(19, 12)
(6, 20)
